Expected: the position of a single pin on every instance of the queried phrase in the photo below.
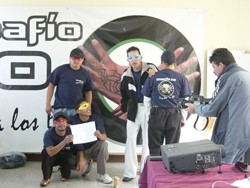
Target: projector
(192, 156)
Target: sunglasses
(60, 121)
(76, 58)
(84, 106)
(134, 57)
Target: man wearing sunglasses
(59, 150)
(97, 150)
(72, 83)
(132, 81)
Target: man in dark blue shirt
(162, 91)
(59, 150)
(72, 82)
(98, 149)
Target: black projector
(191, 156)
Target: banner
(35, 40)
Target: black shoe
(126, 179)
(44, 182)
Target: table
(155, 175)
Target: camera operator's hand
(190, 108)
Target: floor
(30, 176)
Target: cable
(213, 185)
(204, 126)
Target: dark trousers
(163, 123)
(65, 158)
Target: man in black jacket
(132, 82)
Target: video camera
(195, 99)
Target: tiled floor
(30, 176)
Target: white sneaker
(104, 178)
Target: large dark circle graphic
(137, 27)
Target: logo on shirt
(166, 88)
(79, 81)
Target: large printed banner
(35, 40)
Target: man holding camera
(230, 104)
(163, 91)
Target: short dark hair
(222, 55)
(168, 57)
(133, 48)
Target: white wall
(226, 21)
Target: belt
(164, 107)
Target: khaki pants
(98, 152)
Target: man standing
(58, 150)
(132, 81)
(97, 150)
(230, 104)
(72, 82)
(163, 91)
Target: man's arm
(215, 106)
(88, 97)
(53, 150)
(81, 162)
(50, 92)
(124, 97)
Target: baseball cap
(168, 57)
(59, 114)
(76, 53)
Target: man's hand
(81, 165)
(190, 108)
(100, 136)
(68, 139)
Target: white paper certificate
(83, 133)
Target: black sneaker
(127, 179)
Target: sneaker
(89, 168)
(127, 179)
(44, 182)
(104, 178)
